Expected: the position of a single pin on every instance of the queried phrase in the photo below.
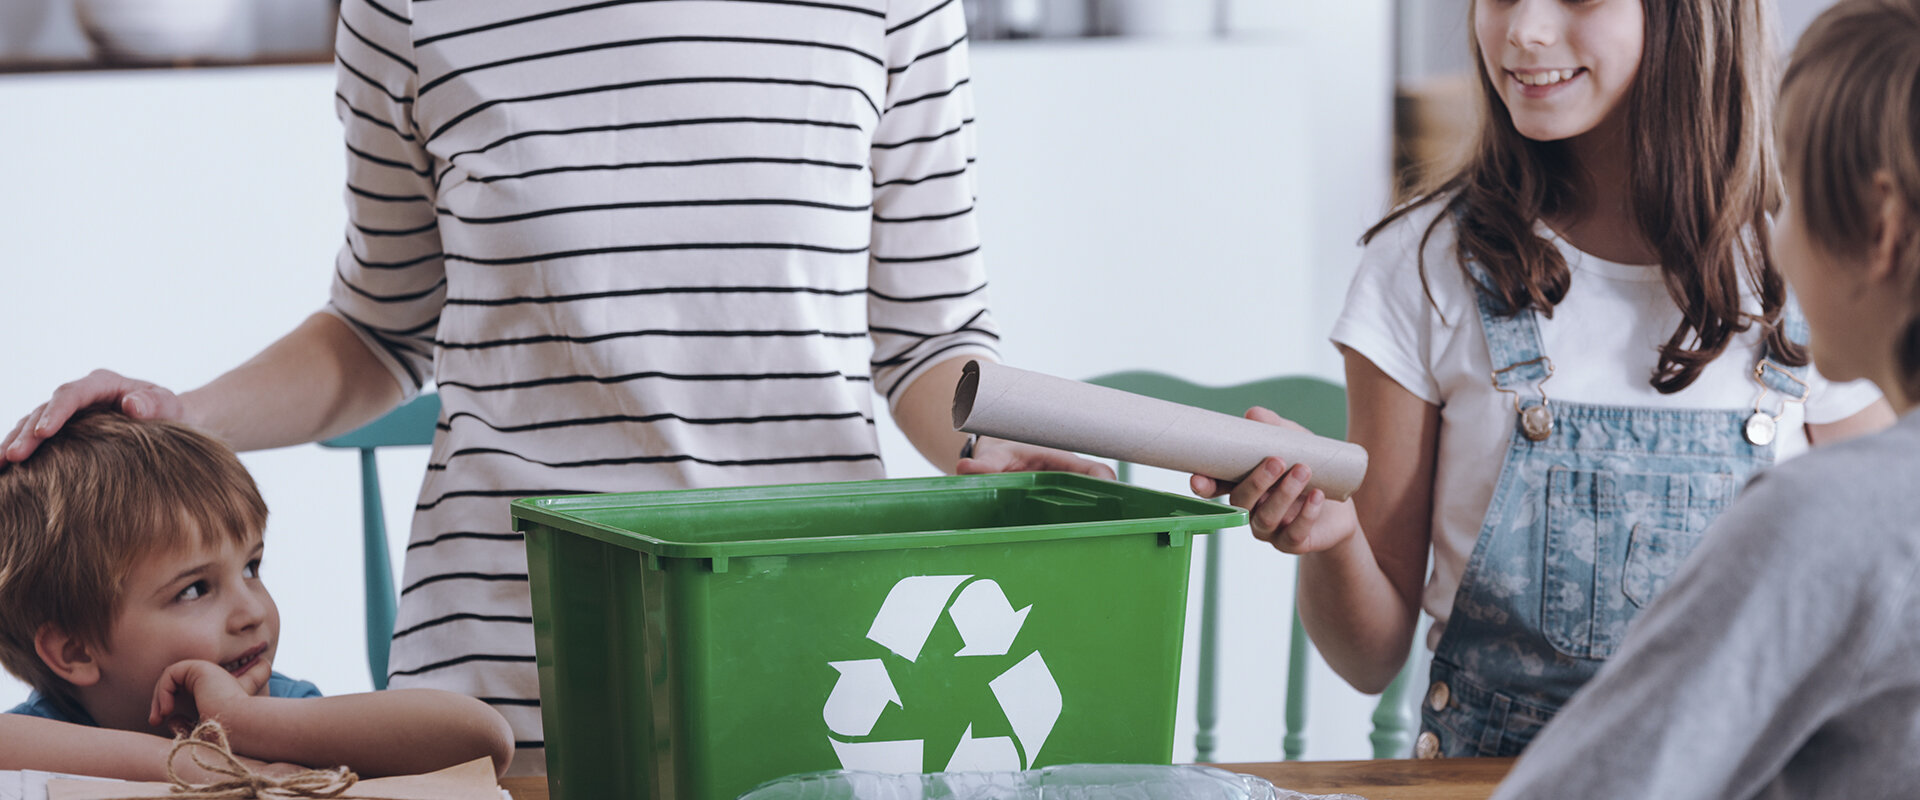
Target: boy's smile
(246, 661)
(195, 602)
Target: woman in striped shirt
(636, 244)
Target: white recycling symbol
(988, 625)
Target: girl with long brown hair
(1780, 663)
(1565, 360)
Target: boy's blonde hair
(92, 500)
(1849, 110)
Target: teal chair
(1321, 407)
(410, 424)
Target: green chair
(410, 424)
(1321, 407)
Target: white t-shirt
(1604, 339)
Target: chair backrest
(1321, 407)
(410, 424)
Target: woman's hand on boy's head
(136, 398)
(1281, 511)
(191, 691)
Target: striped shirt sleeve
(928, 300)
(389, 281)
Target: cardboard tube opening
(963, 393)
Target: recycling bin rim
(1178, 517)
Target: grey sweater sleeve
(1766, 643)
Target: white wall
(1794, 16)
(1187, 206)
(50, 30)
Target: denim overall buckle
(1761, 427)
(1536, 421)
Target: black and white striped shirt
(642, 244)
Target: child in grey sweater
(1784, 660)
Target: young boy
(131, 600)
(1784, 661)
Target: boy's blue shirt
(37, 705)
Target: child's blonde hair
(1703, 178)
(92, 500)
(1850, 110)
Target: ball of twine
(237, 782)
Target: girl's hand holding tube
(1280, 509)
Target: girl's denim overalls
(1585, 527)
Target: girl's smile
(1541, 83)
(1560, 67)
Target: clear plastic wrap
(1072, 782)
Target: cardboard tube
(1009, 403)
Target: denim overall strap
(1772, 372)
(1795, 324)
(1587, 523)
(1779, 385)
(1520, 363)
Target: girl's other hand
(136, 398)
(1280, 509)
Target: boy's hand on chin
(191, 691)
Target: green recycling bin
(692, 644)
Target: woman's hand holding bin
(990, 456)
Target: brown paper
(470, 781)
(1009, 403)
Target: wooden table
(1440, 779)
(1387, 779)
